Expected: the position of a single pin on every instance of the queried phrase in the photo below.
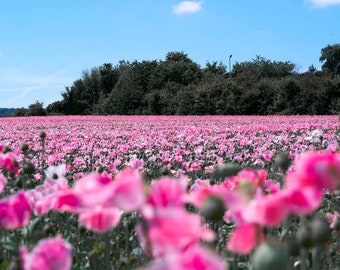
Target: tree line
(179, 86)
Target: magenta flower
(48, 254)
(245, 238)
(8, 162)
(317, 170)
(15, 211)
(303, 201)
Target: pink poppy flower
(268, 210)
(303, 201)
(171, 229)
(48, 254)
(43, 197)
(316, 169)
(94, 189)
(245, 238)
(8, 162)
(192, 258)
(99, 201)
(271, 186)
(332, 218)
(15, 211)
(101, 220)
(168, 192)
(129, 192)
(136, 163)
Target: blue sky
(45, 45)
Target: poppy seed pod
(320, 230)
(227, 170)
(268, 257)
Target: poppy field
(170, 192)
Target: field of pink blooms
(170, 192)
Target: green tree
(330, 57)
(55, 108)
(260, 67)
(20, 112)
(36, 109)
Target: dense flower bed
(159, 192)
(175, 143)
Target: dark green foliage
(330, 56)
(35, 109)
(179, 86)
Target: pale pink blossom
(332, 218)
(3, 182)
(170, 229)
(168, 192)
(43, 198)
(192, 258)
(101, 219)
(99, 200)
(129, 192)
(136, 164)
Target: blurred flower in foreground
(100, 201)
(193, 257)
(48, 254)
(318, 170)
(15, 211)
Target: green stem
(316, 258)
(107, 251)
(303, 258)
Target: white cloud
(187, 7)
(324, 3)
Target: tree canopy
(179, 86)
(330, 57)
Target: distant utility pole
(230, 63)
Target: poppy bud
(303, 236)
(283, 161)
(213, 208)
(42, 134)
